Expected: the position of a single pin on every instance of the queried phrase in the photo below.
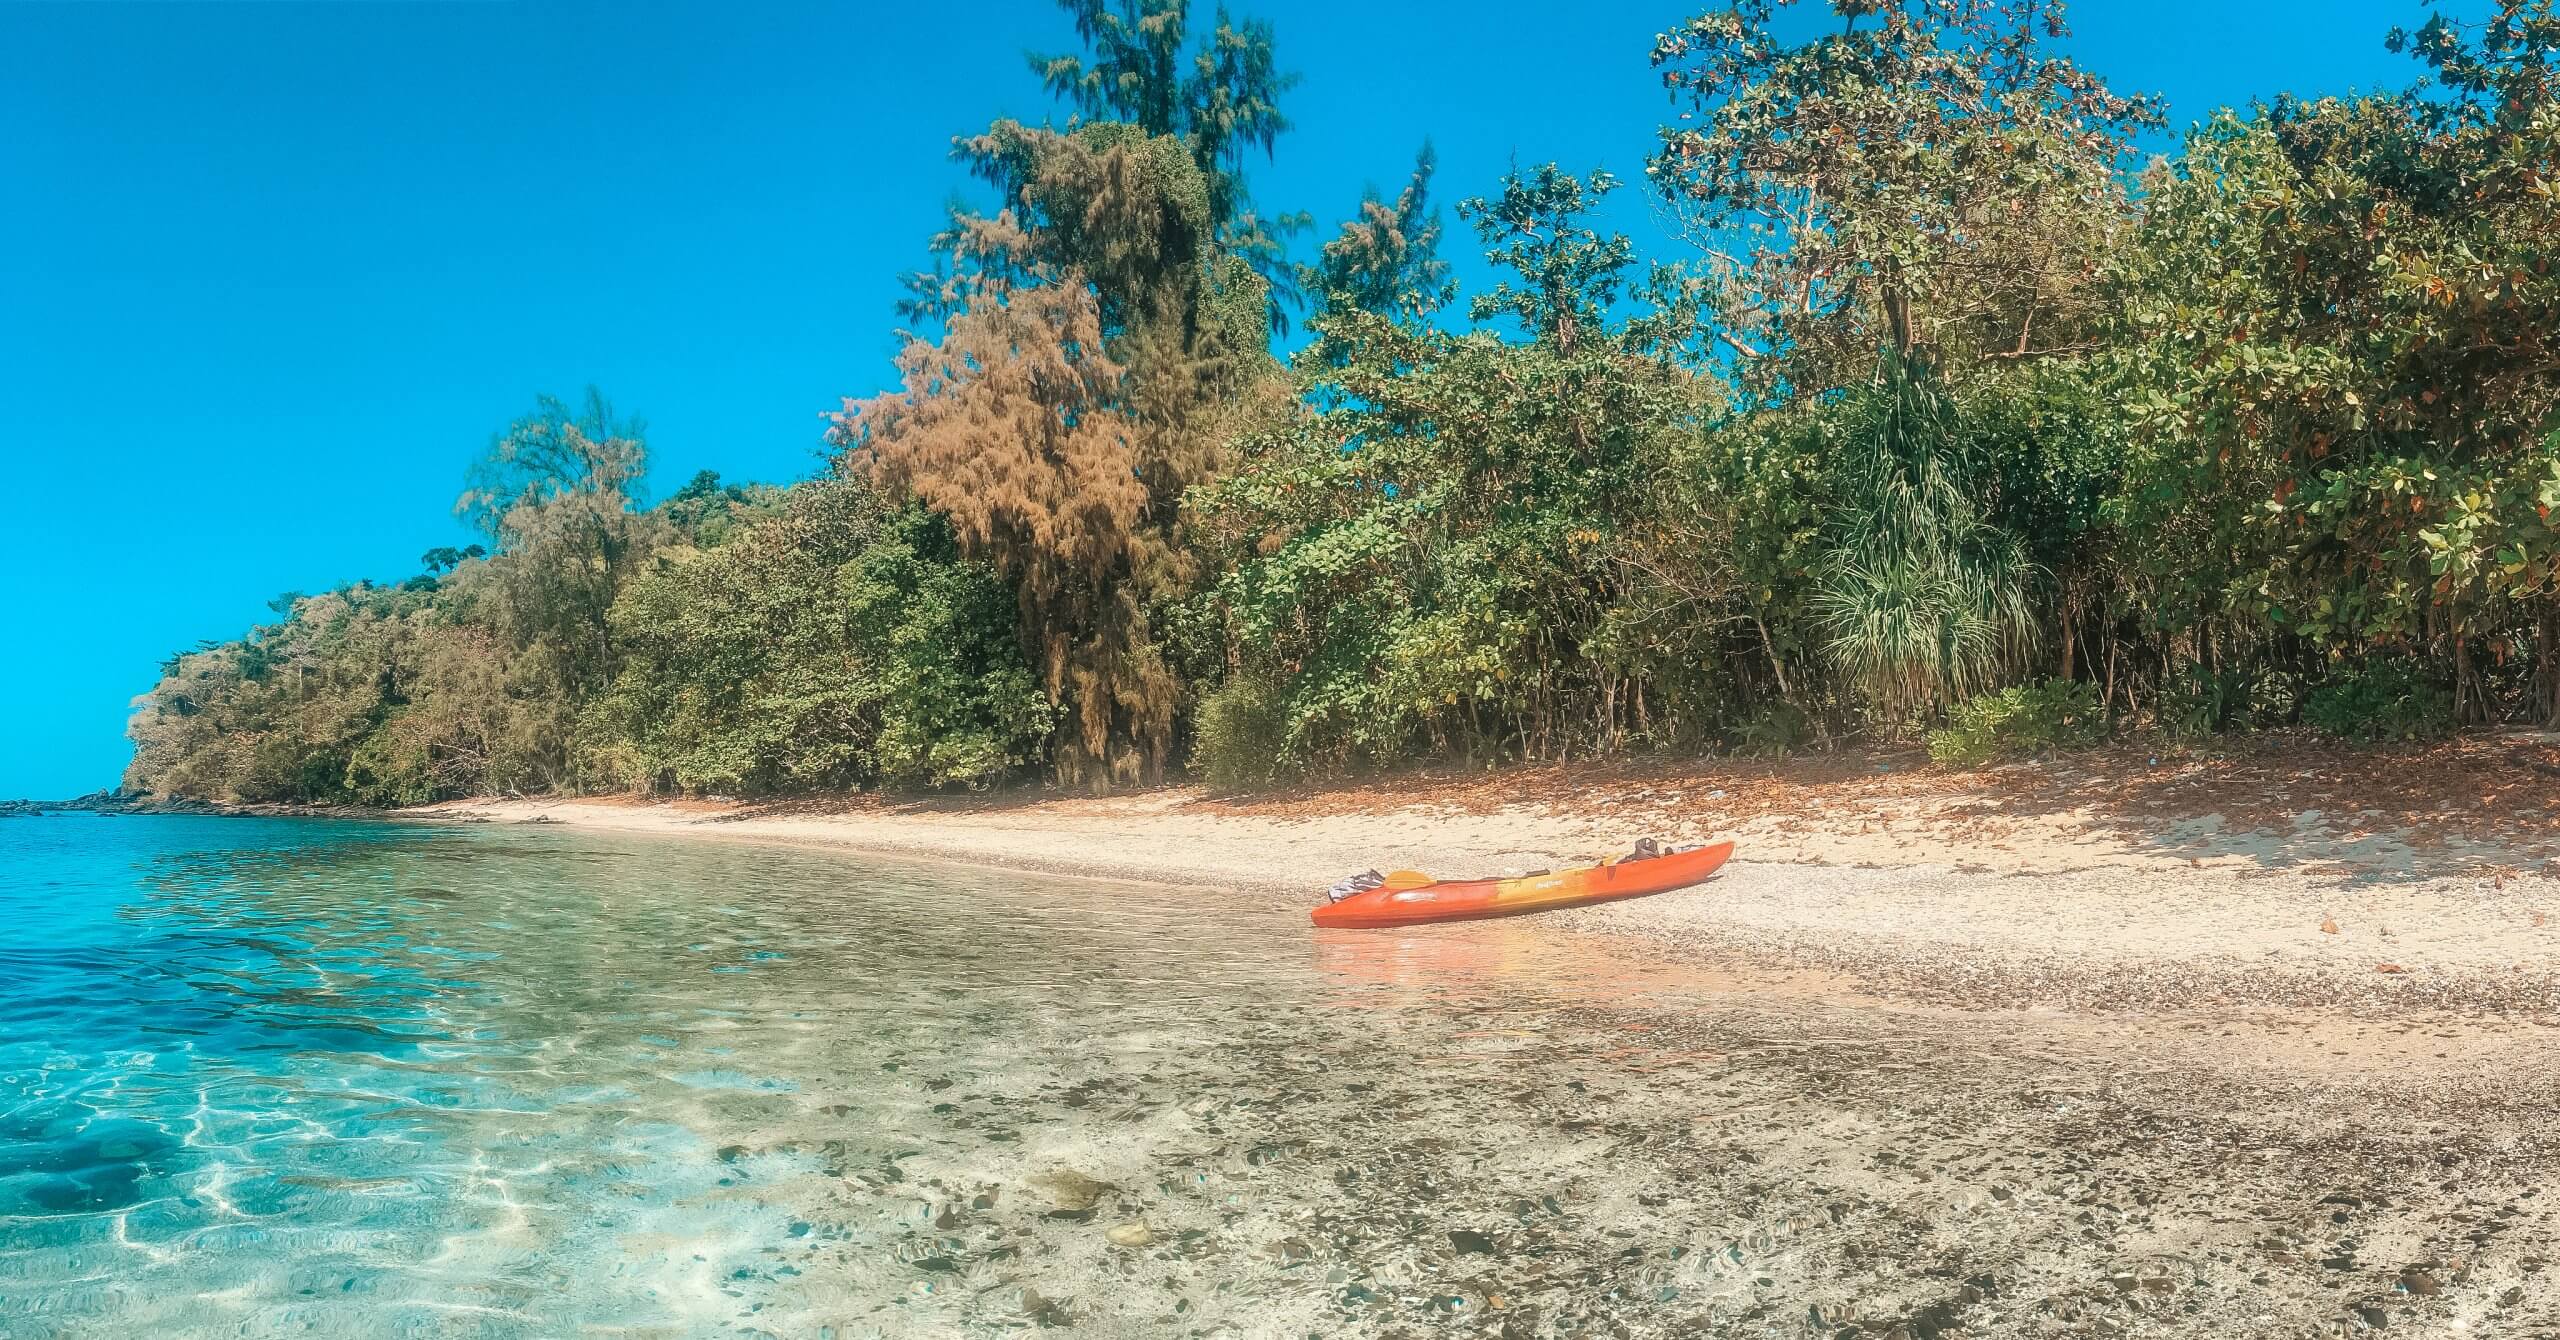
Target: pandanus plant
(1925, 601)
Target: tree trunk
(1786, 692)
(2107, 695)
(2468, 709)
(2546, 658)
(1897, 315)
(2067, 629)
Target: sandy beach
(2139, 1043)
(2376, 881)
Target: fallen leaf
(2389, 967)
(2328, 925)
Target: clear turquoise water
(294, 1077)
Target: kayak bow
(1410, 899)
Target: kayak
(1411, 899)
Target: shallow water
(286, 1076)
(269, 1077)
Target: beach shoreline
(2109, 1034)
(2121, 882)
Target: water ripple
(269, 1077)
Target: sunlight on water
(302, 1077)
(269, 1078)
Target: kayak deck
(1403, 903)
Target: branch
(1738, 346)
(2009, 355)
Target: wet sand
(1927, 900)
(1739, 1155)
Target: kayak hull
(1478, 899)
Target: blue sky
(271, 273)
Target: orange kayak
(1410, 899)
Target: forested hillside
(1957, 417)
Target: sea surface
(315, 1077)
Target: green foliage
(2199, 701)
(1566, 274)
(1922, 599)
(837, 642)
(706, 513)
(549, 455)
(1918, 177)
(2202, 702)
(1386, 259)
(2338, 356)
(2382, 700)
(1947, 423)
(841, 644)
(2020, 721)
(1774, 731)
(1241, 735)
(366, 695)
(1220, 103)
(1099, 328)
(1423, 549)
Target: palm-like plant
(1924, 600)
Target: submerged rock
(1129, 1235)
(1068, 1189)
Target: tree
(1386, 258)
(1894, 211)
(2493, 74)
(707, 513)
(445, 558)
(1922, 599)
(1017, 427)
(552, 453)
(836, 644)
(2344, 317)
(1926, 180)
(1095, 332)
(1425, 543)
(556, 494)
(349, 698)
(1226, 104)
(1568, 274)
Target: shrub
(2200, 702)
(1242, 733)
(2382, 700)
(1773, 731)
(2020, 721)
(387, 769)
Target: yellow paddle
(1406, 879)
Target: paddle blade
(1407, 879)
